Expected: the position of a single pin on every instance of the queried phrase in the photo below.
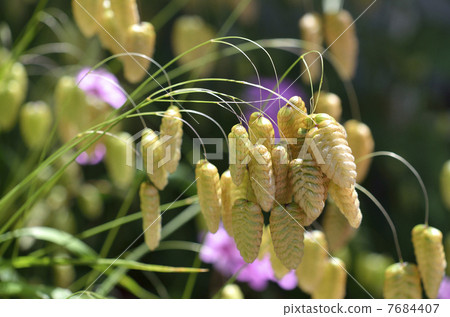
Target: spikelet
(85, 14)
(279, 270)
(280, 163)
(35, 123)
(126, 13)
(340, 36)
(311, 32)
(119, 168)
(430, 257)
(289, 120)
(111, 36)
(140, 38)
(370, 269)
(151, 215)
(346, 199)
(239, 145)
(336, 227)
(261, 176)
(333, 282)
(287, 234)
(243, 191)
(261, 130)
(308, 186)
(172, 136)
(248, 223)
(227, 203)
(209, 193)
(329, 139)
(328, 103)
(445, 184)
(361, 142)
(402, 281)
(310, 271)
(152, 153)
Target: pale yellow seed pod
(209, 193)
(340, 36)
(445, 184)
(151, 215)
(140, 38)
(261, 130)
(310, 271)
(239, 147)
(402, 281)
(346, 199)
(280, 163)
(361, 142)
(287, 233)
(334, 280)
(231, 291)
(243, 191)
(311, 32)
(126, 13)
(119, 159)
(328, 103)
(336, 227)
(152, 153)
(111, 36)
(248, 223)
(261, 176)
(430, 257)
(279, 270)
(227, 203)
(35, 123)
(87, 15)
(172, 136)
(309, 186)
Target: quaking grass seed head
(35, 123)
(83, 19)
(333, 282)
(261, 130)
(280, 163)
(311, 32)
(346, 199)
(227, 201)
(402, 281)
(239, 147)
(151, 215)
(328, 103)
(261, 176)
(118, 149)
(153, 153)
(172, 136)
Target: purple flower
(93, 158)
(220, 250)
(444, 290)
(103, 85)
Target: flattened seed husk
(330, 104)
(172, 136)
(126, 12)
(261, 130)
(336, 227)
(333, 282)
(84, 20)
(402, 281)
(151, 215)
(152, 154)
(239, 147)
(346, 199)
(280, 163)
(227, 202)
(311, 32)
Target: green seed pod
(310, 271)
(126, 13)
(361, 142)
(248, 223)
(287, 234)
(118, 165)
(336, 227)
(261, 176)
(151, 215)
(309, 186)
(90, 201)
(231, 291)
(280, 163)
(430, 257)
(329, 103)
(346, 199)
(261, 130)
(209, 193)
(139, 38)
(402, 281)
(239, 145)
(85, 14)
(172, 136)
(243, 191)
(333, 282)
(227, 203)
(152, 153)
(445, 184)
(311, 32)
(279, 270)
(369, 271)
(340, 36)
(35, 124)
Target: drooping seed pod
(244, 190)
(35, 123)
(152, 154)
(280, 163)
(330, 150)
(227, 203)
(110, 34)
(370, 269)
(126, 13)
(289, 120)
(336, 227)
(402, 281)
(315, 256)
(279, 270)
(346, 199)
(90, 201)
(139, 38)
(340, 36)
(361, 142)
(119, 159)
(333, 282)
(172, 136)
(261, 176)
(308, 186)
(248, 223)
(311, 32)
(63, 275)
(445, 184)
(328, 103)
(430, 257)
(260, 130)
(209, 193)
(287, 234)
(86, 14)
(239, 147)
(151, 215)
